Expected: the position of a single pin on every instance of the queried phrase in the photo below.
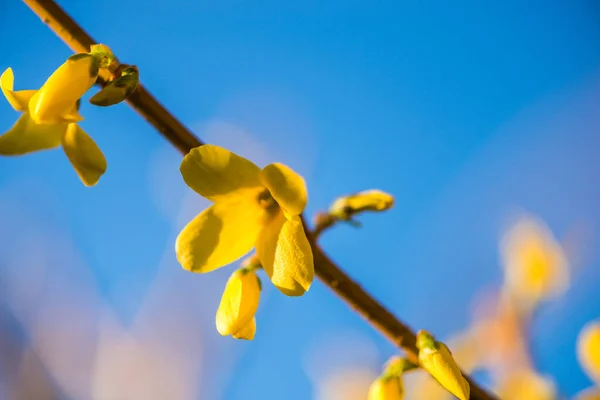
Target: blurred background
(476, 116)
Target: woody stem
(184, 140)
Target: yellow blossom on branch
(27, 135)
(238, 306)
(253, 208)
(436, 358)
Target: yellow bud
(436, 358)
(239, 303)
(588, 350)
(54, 102)
(368, 200)
(386, 388)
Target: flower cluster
(50, 115)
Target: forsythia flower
(386, 388)
(253, 208)
(588, 350)
(50, 115)
(535, 265)
(369, 200)
(239, 303)
(436, 358)
(526, 384)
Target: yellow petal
(386, 389)
(238, 303)
(18, 100)
(54, 101)
(436, 358)
(286, 255)
(26, 136)
(248, 332)
(588, 350)
(216, 173)
(219, 235)
(286, 186)
(84, 154)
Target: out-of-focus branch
(184, 140)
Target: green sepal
(117, 90)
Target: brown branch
(184, 140)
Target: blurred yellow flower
(386, 388)
(588, 350)
(369, 200)
(535, 265)
(526, 384)
(239, 303)
(28, 136)
(592, 393)
(253, 208)
(436, 358)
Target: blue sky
(466, 112)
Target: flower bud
(238, 306)
(117, 90)
(386, 388)
(436, 358)
(369, 200)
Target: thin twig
(184, 140)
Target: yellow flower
(53, 103)
(239, 303)
(436, 358)
(369, 200)
(386, 388)
(535, 265)
(592, 393)
(253, 208)
(27, 136)
(588, 350)
(526, 384)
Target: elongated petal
(286, 186)
(84, 154)
(19, 99)
(26, 136)
(216, 173)
(588, 350)
(386, 389)
(286, 255)
(238, 303)
(248, 332)
(54, 101)
(219, 235)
